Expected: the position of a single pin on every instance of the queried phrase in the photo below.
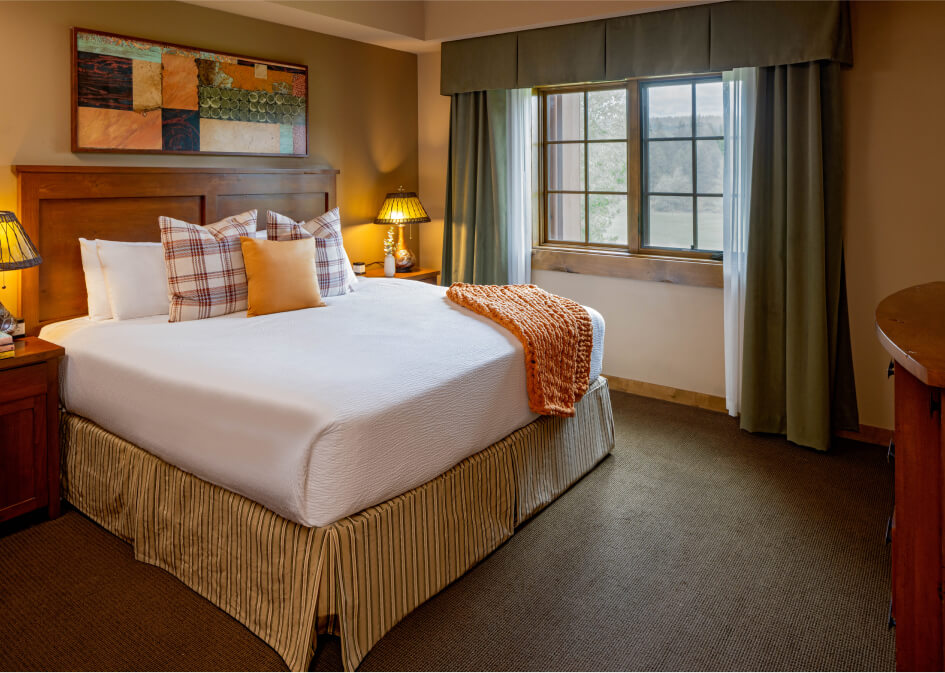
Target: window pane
(566, 167)
(669, 111)
(710, 222)
(608, 218)
(709, 166)
(709, 109)
(669, 166)
(670, 222)
(565, 116)
(607, 170)
(607, 114)
(566, 217)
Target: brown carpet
(695, 546)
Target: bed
(324, 471)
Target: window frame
(636, 177)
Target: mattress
(315, 414)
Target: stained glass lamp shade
(401, 208)
(16, 252)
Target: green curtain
(475, 230)
(798, 372)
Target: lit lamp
(399, 209)
(16, 252)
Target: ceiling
(420, 26)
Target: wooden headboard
(60, 204)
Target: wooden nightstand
(430, 276)
(29, 429)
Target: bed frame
(355, 578)
(59, 204)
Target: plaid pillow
(335, 275)
(205, 272)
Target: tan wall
(895, 146)
(362, 117)
(655, 332)
(433, 137)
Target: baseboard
(667, 393)
(868, 434)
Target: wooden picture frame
(140, 96)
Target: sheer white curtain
(519, 189)
(739, 86)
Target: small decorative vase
(389, 266)
(405, 260)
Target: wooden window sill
(620, 264)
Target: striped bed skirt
(355, 578)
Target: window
(682, 160)
(586, 166)
(634, 166)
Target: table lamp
(16, 252)
(399, 209)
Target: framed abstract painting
(141, 96)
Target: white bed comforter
(315, 414)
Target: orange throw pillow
(281, 275)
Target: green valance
(700, 38)
(658, 43)
(578, 50)
(492, 59)
(759, 34)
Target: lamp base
(7, 320)
(405, 259)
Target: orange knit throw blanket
(556, 332)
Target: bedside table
(430, 276)
(29, 429)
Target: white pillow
(260, 234)
(136, 278)
(99, 308)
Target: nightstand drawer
(24, 471)
(23, 382)
(29, 429)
